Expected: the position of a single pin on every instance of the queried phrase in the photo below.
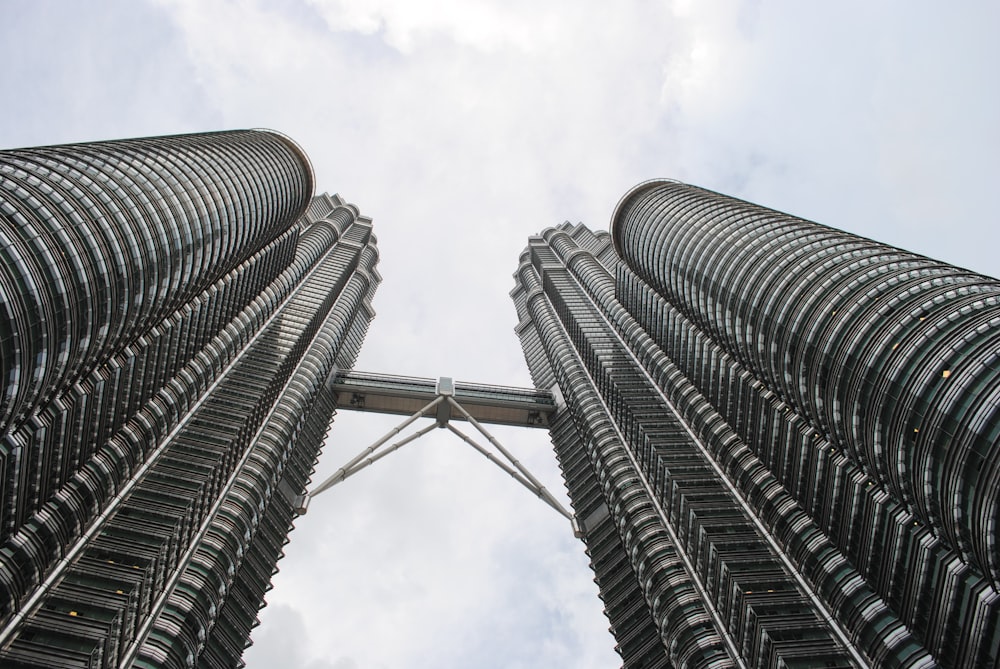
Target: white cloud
(434, 557)
(478, 24)
(868, 117)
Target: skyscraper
(782, 441)
(173, 311)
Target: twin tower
(781, 441)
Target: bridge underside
(445, 401)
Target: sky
(464, 126)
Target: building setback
(172, 313)
(782, 441)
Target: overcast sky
(463, 127)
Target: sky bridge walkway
(443, 400)
(404, 395)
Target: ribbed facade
(172, 313)
(782, 440)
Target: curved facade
(892, 357)
(812, 416)
(173, 312)
(101, 242)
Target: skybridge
(404, 395)
(444, 401)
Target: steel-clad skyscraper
(782, 441)
(172, 313)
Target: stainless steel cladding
(171, 310)
(781, 439)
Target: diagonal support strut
(444, 397)
(341, 473)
